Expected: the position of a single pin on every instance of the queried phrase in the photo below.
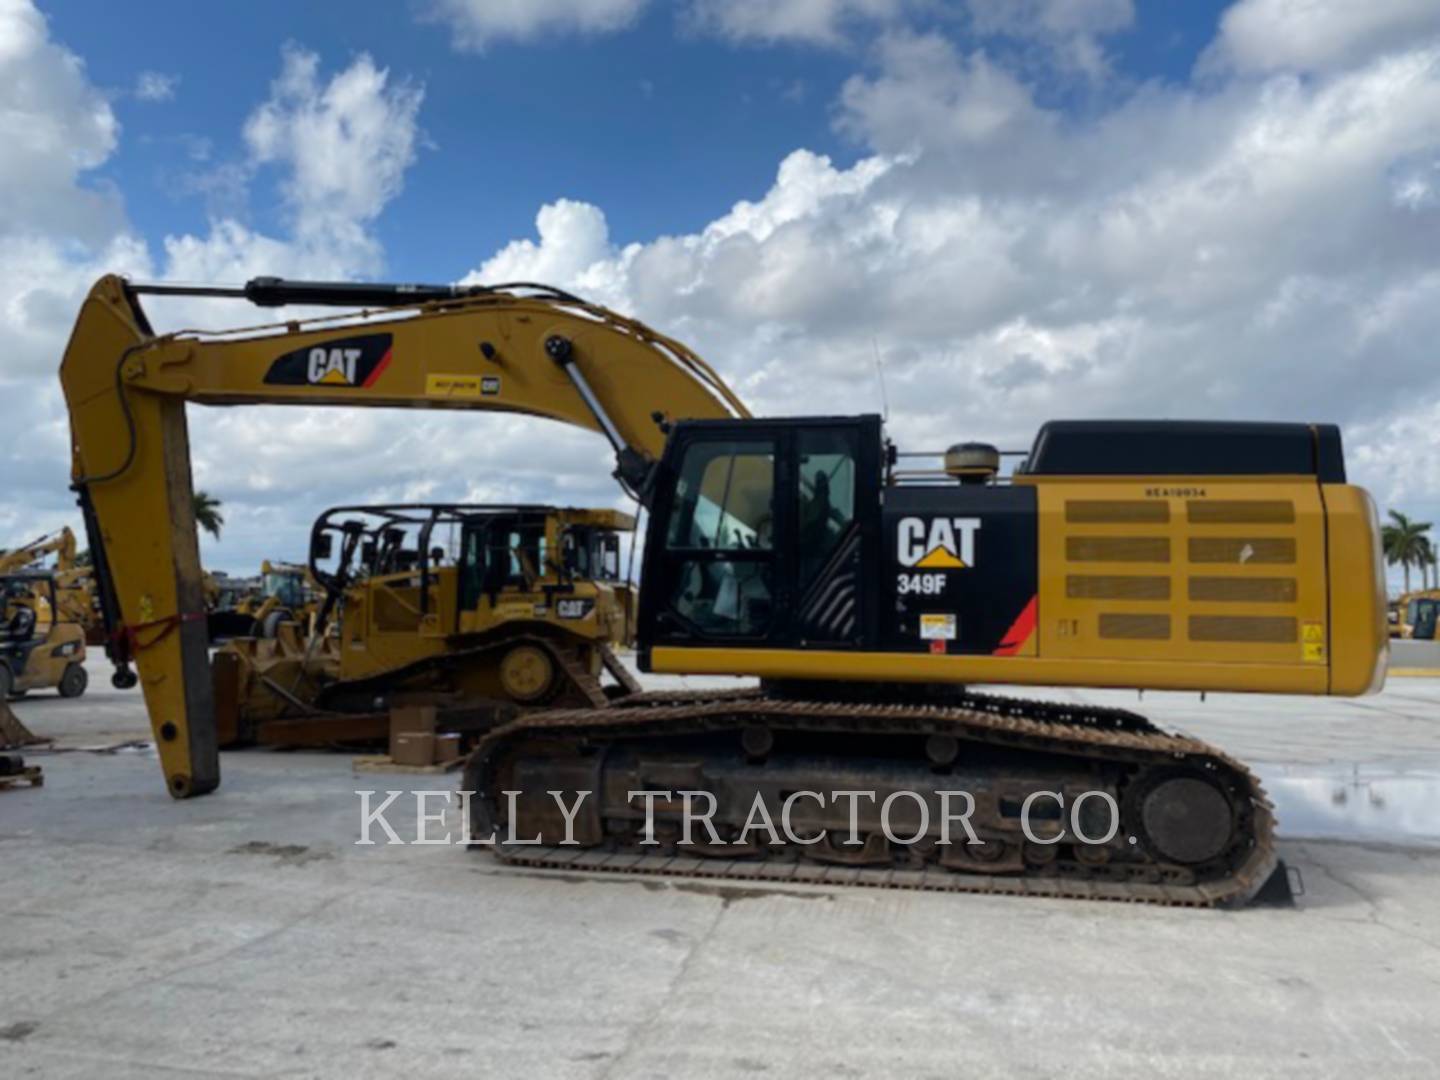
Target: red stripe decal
(1019, 632)
(380, 367)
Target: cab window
(722, 533)
(725, 496)
(826, 499)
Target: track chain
(1087, 732)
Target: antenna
(880, 374)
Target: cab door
(759, 533)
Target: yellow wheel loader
(488, 610)
(869, 599)
(287, 594)
(39, 650)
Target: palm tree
(208, 516)
(1406, 544)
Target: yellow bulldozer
(487, 610)
(869, 600)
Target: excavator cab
(759, 532)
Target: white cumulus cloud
(156, 86)
(476, 24)
(815, 22)
(1314, 35)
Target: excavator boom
(61, 544)
(522, 350)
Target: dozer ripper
(490, 609)
(868, 599)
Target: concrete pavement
(245, 934)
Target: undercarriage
(1062, 800)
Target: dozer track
(1195, 828)
(573, 685)
(349, 710)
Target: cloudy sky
(1028, 208)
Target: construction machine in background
(870, 600)
(14, 736)
(39, 648)
(255, 607)
(1414, 615)
(61, 544)
(228, 603)
(287, 594)
(487, 610)
(73, 588)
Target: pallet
(30, 774)
(383, 763)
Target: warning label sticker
(452, 386)
(937, 627)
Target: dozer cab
(485, 609)
(39, 649)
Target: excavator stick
(131, 471)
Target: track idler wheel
(527, 674)
(1183, 816)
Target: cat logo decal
(353, 362)
(937, 544)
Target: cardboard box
(447, 747)
(410, 718)
(413, 748)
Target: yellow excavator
(483, 609)
(60, 544)
(72, 593)
(869, 599)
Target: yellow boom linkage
(519, 349)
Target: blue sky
(665, 130)
(1030, 209)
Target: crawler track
(1166, 786)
